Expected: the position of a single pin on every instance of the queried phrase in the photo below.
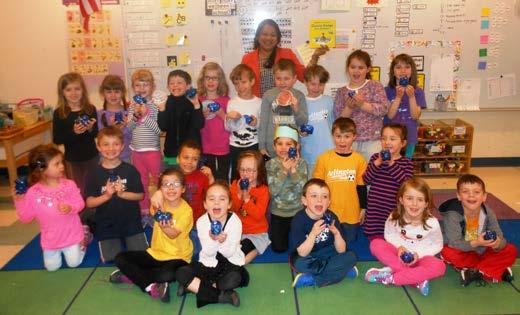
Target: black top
(117, 217)
(78, 148)
(181, 122)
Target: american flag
(87, 8)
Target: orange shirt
(252, 213)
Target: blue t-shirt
(301, 226)
(321, 117)
(403, 115)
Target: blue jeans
(350, 232)
(327, 265)
(196, 242)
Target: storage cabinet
(443, 148)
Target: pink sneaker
(87, 238)
(160, 291)
(383, 275)
(118, 277)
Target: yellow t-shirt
(164, 248)
(471, 229)
(342, 174)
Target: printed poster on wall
(322, 32)
(97, 52)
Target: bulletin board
(475, 39)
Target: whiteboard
(425, 29)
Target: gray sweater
(270, 116)
(454, 226)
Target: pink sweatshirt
(41, 203)
(215, 138)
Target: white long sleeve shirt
(230, 248)
(415, 238)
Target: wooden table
(15, 147)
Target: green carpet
(43, 292)
(355, 297)
(262, 296)
(448, 297)
(38, 291)
(102, 297)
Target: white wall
(34, 54)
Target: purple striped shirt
(384, 183)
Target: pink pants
(147, 163)
(428, 267)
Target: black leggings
(225, 276)
(219, 165)
(143, 269)
(280, 228)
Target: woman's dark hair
(272, 57)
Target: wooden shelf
(444, 132)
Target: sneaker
(229, 297)
(87, 238)
(382, 275)
(423, 287)
(118, 277)
(303, 280)
(469, 275)
(353, 273)
(160, 291)
(507, 276)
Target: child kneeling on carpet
(114, 188)
(318, 248)
(54, 202)
(412, 239)
(154, 268)
(220, 267)
(475, 244)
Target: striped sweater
(384, 183)
(145, 131)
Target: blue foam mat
(30, 257)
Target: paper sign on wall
(322, 32)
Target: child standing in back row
(321, 116)
(181, 118)
(406, 98)
(364, 100)
(145, 145)
(114, 112)
(243, 129)
(213, 88)
(76, 135)
(282, 105)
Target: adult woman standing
(266, 53)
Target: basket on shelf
(28, 111)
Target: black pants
(234, 152)
(219, 165)
(143, 269)
(280, 228)
(225, 276)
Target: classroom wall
(34, 54)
